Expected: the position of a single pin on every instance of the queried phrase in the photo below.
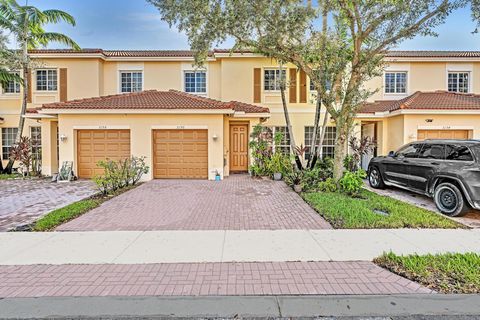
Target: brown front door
(238, 147)
(180, 154)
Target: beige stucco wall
(141, 127)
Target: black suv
(447, 170)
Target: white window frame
(38, 148)
(276, 75)
(15, 84)
(396, 72)
(325, 138)
(120, 72)
(273, 130)
(47, 79)
(5, 145)
(184, 78)
(469, 84)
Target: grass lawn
(67, 213)
(345, 212)
(59, 216)
(9, 176)
(445, 273)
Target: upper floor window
(8, 140)
(196, 81)
(131, 81)
(12, 86)
(459, 82)
(395, 82)
(47, 80)
(272, 80)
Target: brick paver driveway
(24, 201)
(236, 203)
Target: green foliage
(67, 213)
(261, 150)
(120, 174)
(349, 163)
(22, 152)
(278, 163)
(346, 212)
(328, 185)
(451, 273)
(352, 182)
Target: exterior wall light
(214, 137)
(63, 138)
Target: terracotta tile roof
(437, 100)
(121, 53)
(190, 53)
(153, 99)
(433, 54)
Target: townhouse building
(84, 106)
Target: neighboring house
(192, 123)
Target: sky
(136, 24)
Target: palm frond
(47, 37)
(7, 76)
(56, 16)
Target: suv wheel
(449, 200)
(375, 178)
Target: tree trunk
(26, 84)
(340, 150)
(313, 148)
(287, 120)
(326, 118)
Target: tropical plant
(352, 182)
(338, 59)
(22, 152)
(260, 145)
(26, 24)
(359, 148)
(278, 163)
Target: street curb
(241, 306)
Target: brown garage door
(96, 145)
(180, 154)
(442, 134)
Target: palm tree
(26, 24)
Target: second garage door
(96, 145)
(442, 134)
(180, 154)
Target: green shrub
(325, 165)
(351, 183)
(120, 174)
(328, 185)
(278, 163)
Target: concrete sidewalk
(137, 247)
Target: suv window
(433, 151)
(459, 153)
(409, 151)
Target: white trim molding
(102, 127)
(179, 127)
(445, 128)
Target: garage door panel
(97, 145)
(180, 154)
(442, 134)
